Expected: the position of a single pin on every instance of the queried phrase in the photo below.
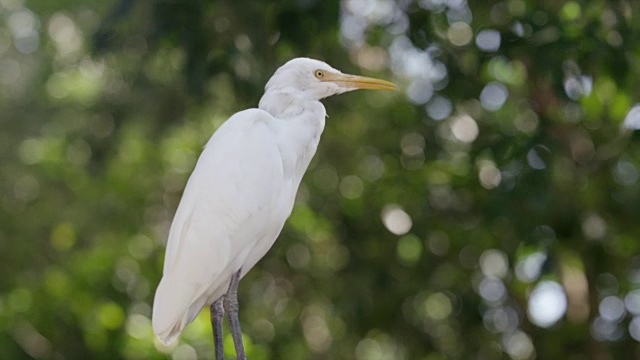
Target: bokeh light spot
(594, 227)
(140, 247)
(488, 40)
(632, 302)
(492, 290)
(63, 236)
(32, 151)
(371, 168)
(460, 33)
(351, 187)
(438, 243)
(464, 128)
(326, 178)
(419, 91)
(315, 328)
(519, 346)
(547, 304)
(634, 328)
(489, 175)
(494, 263)
(626, 172)
(606, 330)
(438, 306)
(19, 300)
(298, 256)
(24, 25)
(528, 268)
(65, 34)
(263, 329)
(396, 220)
(612, 308)
(632, 120)
(111, 315)
(139, 326)
(500, 319)
(184, 352)
(493, 96)
(571, 10)
(439, 107)
(409, 249)
(578, 86)
(535, 157)
(526, 121)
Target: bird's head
(315, 80)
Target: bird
(239, 195)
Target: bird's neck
(298, 124)
(288, 105)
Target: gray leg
(231, 305)
(217, 314)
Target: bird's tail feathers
(174, 308)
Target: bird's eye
(319, 74)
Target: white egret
(240, 194)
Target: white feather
(233, 208)
(243, 188)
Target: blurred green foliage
(488, 210)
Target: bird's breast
(297, 142)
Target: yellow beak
(359, 82)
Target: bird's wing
(223, 212)
(233, 182)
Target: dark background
(487, 210)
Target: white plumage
(243, 189)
